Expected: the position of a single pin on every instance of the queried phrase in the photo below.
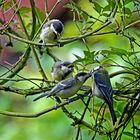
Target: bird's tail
(41, 96)
(113, 115)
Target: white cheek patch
(80, 78)
(52, 28)
(63, 67)
(97, 68)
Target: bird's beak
(89, 75)
(71, 66)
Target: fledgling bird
(103, 89)
(51, 32)
(68, 87)
(62, 70)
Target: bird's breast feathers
(66, 93)
(48, 36)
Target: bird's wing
(103, 83)
(67, 83)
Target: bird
(67, 87)
(103, 89)
(62, 70)
(51, 31)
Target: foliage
(99, 33)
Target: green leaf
(127, 78)
(120, 107)
(111, 3)
(106, 8)
(127, 1)
(40, 14)
(69, 6)
(97, 7)
(78, 57)
(88, 59)
(105, 52)
(89, 54)
(106, 61)
(133, 53)
(85, 16)
(118, 85)
(84, 61)
(129, 134)
(104, 14)
(24, 10)
(120, 52)
(128, 11)
(7, 4)
(73, 6)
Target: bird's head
(67, 66)
(98, 68)
(57, 26)
(82, 76)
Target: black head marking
(68, 64)
(58, 26)
(81, 74)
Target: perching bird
(68, 87)
(62, 70)
(51, 31)
(103, 89)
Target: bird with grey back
(51, 32)
(68, 87)
(62, 70)
(103, 89)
